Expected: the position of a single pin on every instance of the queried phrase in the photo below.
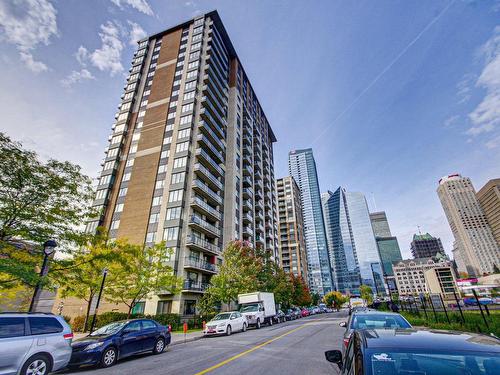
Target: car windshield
(108, 329)
(250, 308)
(469, 363)
(223, 316)
(372, 321)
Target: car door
(14, 344)
(240, 320)
(349, 360)
(150, 332)
(235, 325)
(132, 339)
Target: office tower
(380, 224)
(351, 241)
(426, 246)
(302, 168)
(476, 246)
(292, 245)
(489, 199)
(190, 158)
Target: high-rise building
(380, 224)
(302, 168)
(190, 157)
(426, 246)
(352, 244)
(489, 199)
(477, 248)
(292, 245)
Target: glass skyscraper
(353, 249)
(302, 167)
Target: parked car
(226, 323)
(408, 351)
(33, 342)
(372, 320)
(298, 312)
(290, 314)
(279, 317)
(118, 340)
(304, 312)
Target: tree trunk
(89, 303)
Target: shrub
(77, 323)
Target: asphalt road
(289, 348)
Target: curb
(190, 339)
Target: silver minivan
(33, 343)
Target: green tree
(146, 271)
(334, 299)
(38, 201)
(366, 293)
(301, 295)
(315, 298)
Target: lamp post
(48, 249)
(104, 274)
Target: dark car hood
(87, 340)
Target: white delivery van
(257, 307)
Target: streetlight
(104, 274)
(48, 249)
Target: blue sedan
(119, 340)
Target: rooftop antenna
(419, 231)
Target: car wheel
(244, 329)
(109, 357)
(228, 331)
(159, 346)
(39, 364)
(258, 324)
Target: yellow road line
(220, 364)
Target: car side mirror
(233, 317)
(343, 324)
(334, 356)
(126, 331)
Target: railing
(204, 139)
(195, 286)
(208, 158)
(205, 206)
(203, 244)
(205, 225)
(204, 126)
(200, 264)
(197, 183)
(212, 122)
(208, 174)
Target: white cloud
(140, 5)
(75, 77)
(493, 143)
(26, 24)
(451, 120)
(136, 33)
(82, 55)
(486, 116)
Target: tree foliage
(366, 293)
(147, 270)
(38, 201)
(335, 299)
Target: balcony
(203, 140)
(257, 175)
(213, 77)
(199, 264)
(216, 125)
(247, 205)
(204, 174)
(247, 231)
(247, 218)
(194, 286)
(204, 226)
(198, 243)
(211, 195)
(216, 111)
(258, 194)
(247, 193)
(247, 140)
(247, 181)
(205, 208)
(247, 169)
(247, 159)
(247, 150)
(207, 130)
(210, 163)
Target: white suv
(33, 343)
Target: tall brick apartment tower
(190, 157)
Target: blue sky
(391, 95)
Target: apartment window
(189, 95)
(171, 115)
(155, 56)
(186, 119)
(199, 21)
(193, 64)
(109, 165)
(165, 154)
(190, 85)
(105, 179)
(116, 139)
(115, 224)
(119, 207)
(150, 237)
(180, 63)
(180, 162)
(156, 201)
(128, 96)
(174, 213)
(125, 106)
(184, 133)
(169, 128)
(146, 93)
(144, 103)
(192, 74)
(195, 46)
(101, 194)
(153, 218)
(136, 136)
(175, 195)
(122, 192)
(141, 114)
(177, 178)
(160, 184)
(167, 140)
(171, 234)
(194, 55)
(173, 104)
(151, 74)
(129, 163)
(126, 176)
(174, 93)
(133, 149)
(133, 77)
(139, 124)
(187, 107)
(131, 87)
(119, 128)
(182, 147)
(198, 30)
(178, 73)
(162, 168)
(197, 38)
(177, 83)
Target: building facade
(292, 245)
(302, 168)
(352, 244)
(411, 278)
(425, 246)
(489, 199)
(477, 248)
(380, 224)
(190, 158)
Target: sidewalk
(177, 338)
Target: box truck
(258, 307)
